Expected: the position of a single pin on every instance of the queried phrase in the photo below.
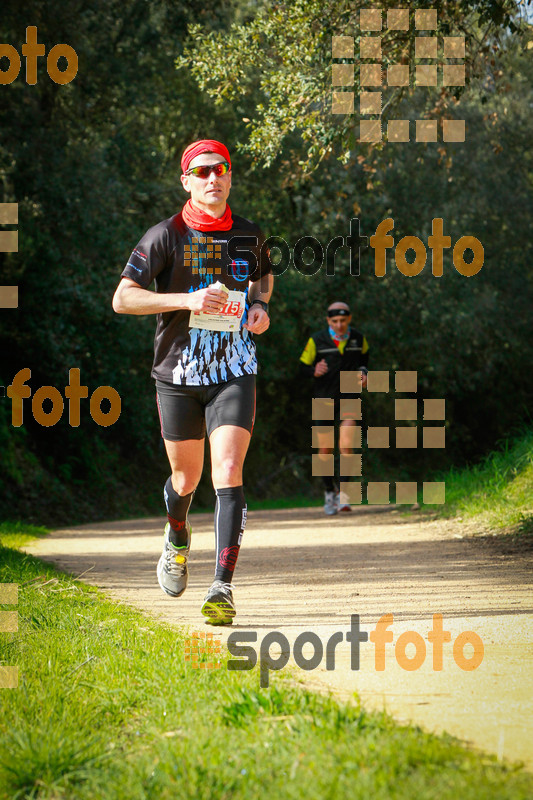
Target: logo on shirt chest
(203, 256)
(239, 269)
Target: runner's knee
(184, 484)
(227, 472)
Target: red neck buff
(193, 217)
(200, 221)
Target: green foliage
(286, 75)
(469, 339)
(93, 164)
(18, 534)
(497, 493)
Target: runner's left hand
(258, 320)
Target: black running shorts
(186, 412)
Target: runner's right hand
(208, 300)
(321, 367)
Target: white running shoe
(172, 572)
(343, 502)
(219, 606)
(330, 503)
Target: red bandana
(200, 221)
(203, 146)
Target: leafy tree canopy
(279, 63)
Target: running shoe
(330, 504)
(172, 572)
(343, 502)
(218, 605)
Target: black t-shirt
(180, 259)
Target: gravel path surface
(301, 571)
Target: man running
(204, 358)
(328, 352)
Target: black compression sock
(177, 508)
(329, 483)
(230, 519)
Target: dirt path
(301, 571)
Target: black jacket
(320, 345)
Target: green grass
(107, 707)
(498, 492)
(18, 534)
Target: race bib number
(227, 319)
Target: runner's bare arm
(258, 319)
(131, 298)
(261, 289)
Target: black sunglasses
(204, 172)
